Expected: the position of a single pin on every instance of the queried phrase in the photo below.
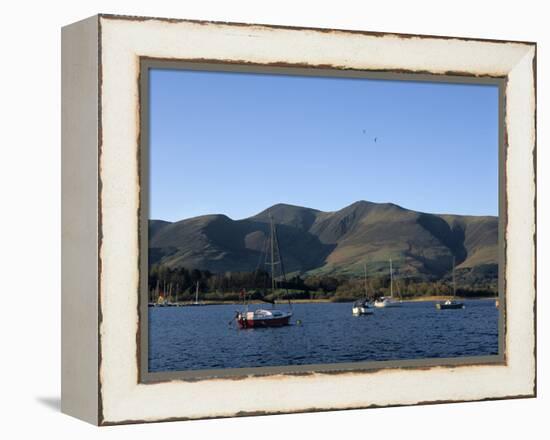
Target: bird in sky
(375, 139)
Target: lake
(194, 338)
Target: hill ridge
(332, 242)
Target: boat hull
(358, 311)
(280, 321)
(387, 304)
(449, 306)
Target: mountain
(333, 243)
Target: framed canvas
(265, 219)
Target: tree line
(180, 284)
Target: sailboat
(196, 302)
(267, 317)
(362, 306)
(388, 301)
(451, 304)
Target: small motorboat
(263, 318)
(449, 304)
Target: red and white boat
(263, 318)
(267, 317)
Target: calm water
(192, 338)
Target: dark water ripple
(193, 338)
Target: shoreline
(446, 297)
(432, 298)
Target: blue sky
(237, 143)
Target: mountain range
(314, 242)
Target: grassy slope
(332, 242)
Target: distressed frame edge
(128, 17)
(104, 422)
(535, 207)
(532, 114)
(314, 410)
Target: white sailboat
(196, 302)
(388, 301)
(362, 307)
(451, 304)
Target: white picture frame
(101, 59)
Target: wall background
(30, 216)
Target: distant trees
(176, 282)
(180, 284)
(325, 284)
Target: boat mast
(197, 293)
(272, 242)
(454, 281)
(276, 258)
(365, 280)
(391, 280)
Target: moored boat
(451, 304)
(362, 307)
(196, 302)
(263, 317)
(388, 301)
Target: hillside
(333, 243)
